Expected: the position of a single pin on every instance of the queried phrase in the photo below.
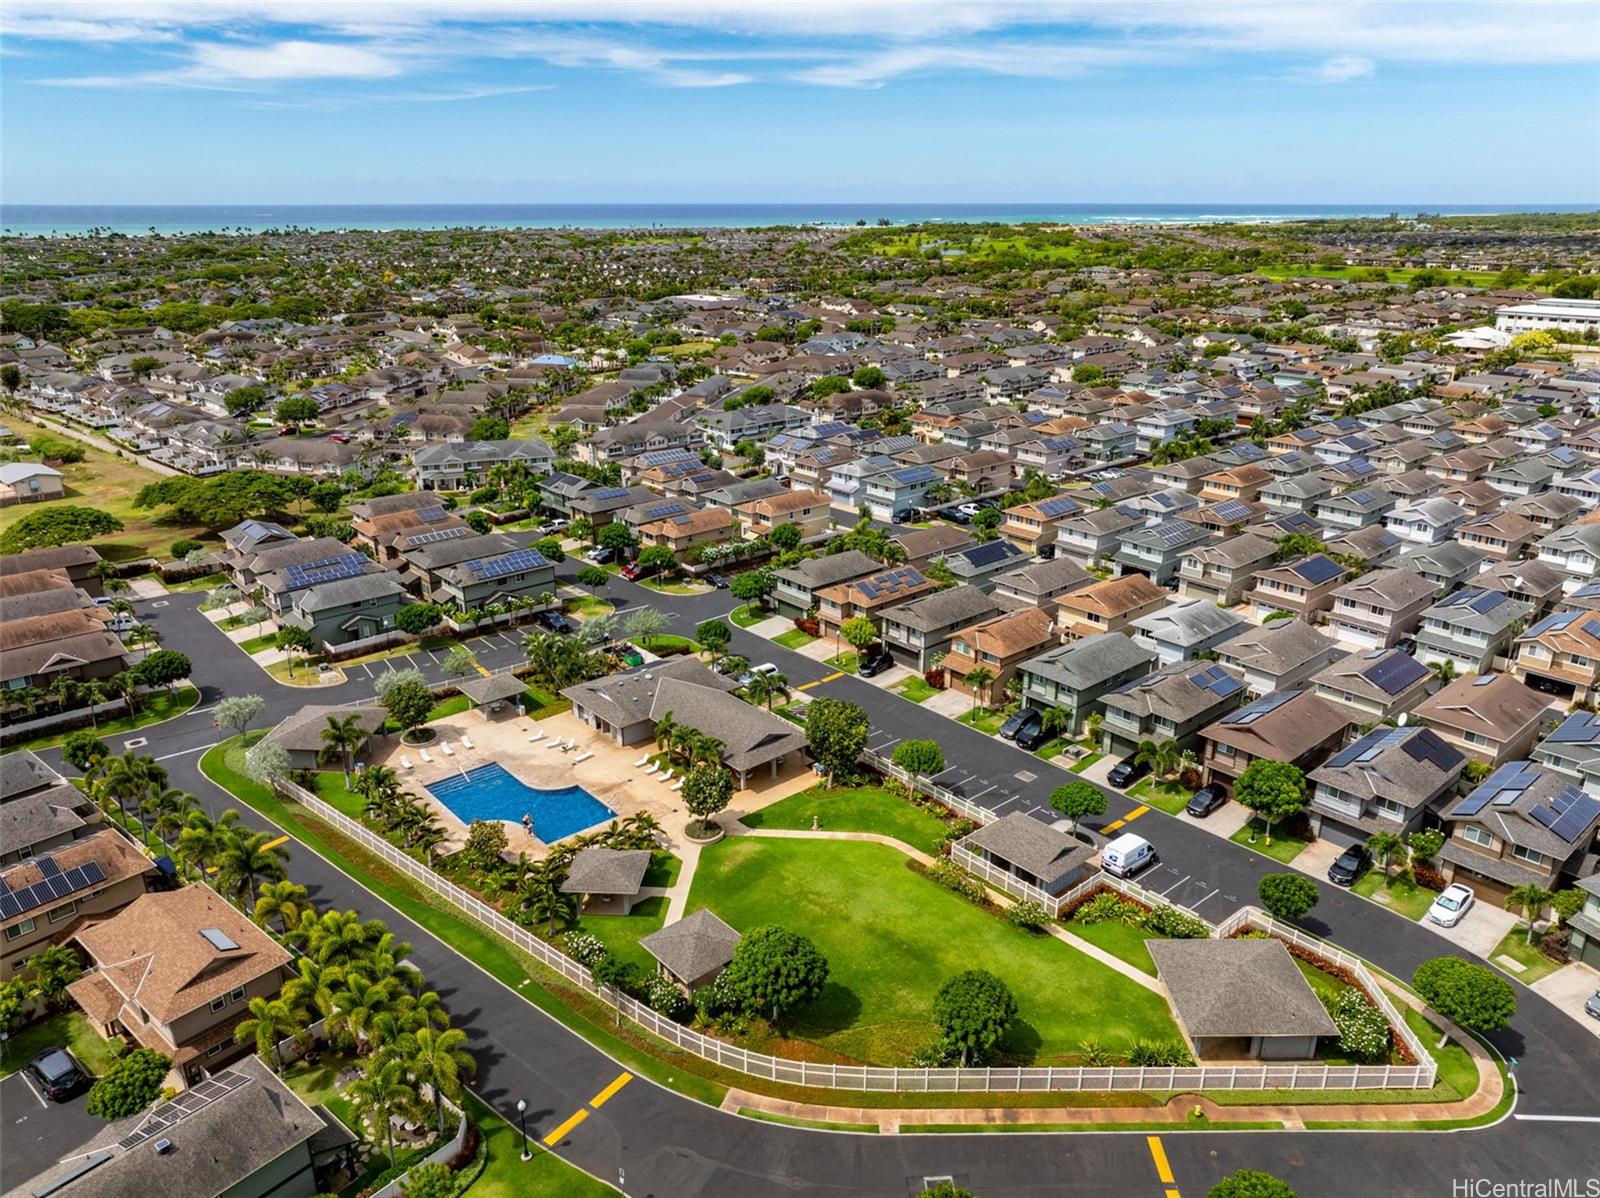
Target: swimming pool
(490, 792)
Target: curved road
(657, 1142)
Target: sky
(521, 101)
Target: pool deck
(611, 774)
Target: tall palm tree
(764, 688)
(541, 898)
(438, 1059)
(202, 838)
(359, 1001)
(169, 811)
(666, 729)
(126, 687)
(129, 780)
(270, 1022)
(378, 1093)
(340, 740)
(1530, 899)
(337, 937)
(979, 680)
(247, 858)
(313, 987)
(287, 902)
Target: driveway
(38, 1132)
(1479, 931)
(1569, 988)
(1315, 858)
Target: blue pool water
(489, 792)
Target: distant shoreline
(69, 220)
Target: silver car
(1454, 901)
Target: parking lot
(38, 1132)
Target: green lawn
(674, 587)
(664, 870)
(1077, 767)
(1052, 747)
(1400, 893)
(316, 1083)
(1515, 945)
(915, 688)
(1457, 1069)
(795, 638)
(507, 1175)
(590, 607)
(892, 938)
(854, 809)
(1283, 848)
(234, 623)
(622, 933)
(987, 722)
(267, 640)
(153, 709)
(442, 710)
(845, 663)
(1121, 940)
(748, 615)
(1166, 796)
(206, 582)
(668, 640)
(67, 1029)
(302, 673)
(1323, 982)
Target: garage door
(1486, 889)
(1339, 834)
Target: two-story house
(1499, 536)
(1375, 684)
(459, 467)
(49, 894)
(175, 972)
(39, 809)
(809, 511)
(795, 587)
(1573, 748)
(1075, 678)
(1524, 825)
(1278, 656)
(1350, 510)
(1425, 523)
(1491, 717)
(1157, 551)
(1040, 584)
(1387, 781)
(998, 645)
(1302, 588)
(1174, 702)
(1376, 610)
(869, 596)
(1187, 630)
(1296, 493)
(685, 530)
(1094, 536)
(348, 609)
(919, 631)
(1574, 550)
(1447, 566)
(1032, 525)
(1471, 628)
(1109, 606)
(1293, 726)
(1560, 655)
(1223, 572)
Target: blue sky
(129, 101)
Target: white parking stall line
(34, 1090)
(433, 656)
(1178, 883)
(982, 792)
(1001, 805)
(1208, 897)
(893, 740)
(951, 770)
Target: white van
(1126, 855)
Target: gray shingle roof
(1239, 988)
(1028, 844)
(1092, 660)
(694, 946)
(599, 870)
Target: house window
(1473, 834)
(18, 930)
(219, 1002)
(236, 994)
(214, 1049)
(1531, 856)
(64, 911)
(1390, 809)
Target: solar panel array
(1487, 601)
(485, 568)
(438, 534)
(989, 553)
(327, 569)
(1176, 532)
(1317, 570)
(55, 883)
(1231, 510)
(1369, 747)
(1556, 623)
(1396, 672)
(1251, 712)
(1592, 627)
(1218, 681)
(1568, 812)
(1060, 505)
(1502, 788)
(660, 511)
(169, 1114)
(608, 493)
(889, 582)
(1579, 728)
(1427, 746)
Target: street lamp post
(522, 1114)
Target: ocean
(72, 219)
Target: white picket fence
(866, 1077)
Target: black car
(57, 1074)
(1032, 737)
(1025, 719)
(553, 620)
(1126, 773)
(720, 581)
(1352, 863)
(874, 661)
(1205, 800)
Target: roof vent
(162, 1147)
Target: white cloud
(226, 65)
(1343, 68)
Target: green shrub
(1109, 907)
(1028, 915)
(1159, 1053)
(1179, 925)
(953, 878)
(1363, 1030)
(133, 1083)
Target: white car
(1454, 901)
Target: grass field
(1400, 893)
(854, 809)
(1083, 763)
(892, 938)
(915, 688)
(68, 1029)
(1283, 848)
(107, 483)
(622, 933)
(590, 607)
(1535, 964)
(1121, 940)
(506, 1175)
(152, 710)
(793, 639)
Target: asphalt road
(660, 1143)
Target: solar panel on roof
(484, 569)
(1592, 627)
(989, 553)
(47, 867)
(1568, 813)
(607, 493)
(1251, 712)
(441, 534)
(1060, 505)
(1232, 509)
(1578, 728)
(1395, 673)
(1485, 680)
(1318, 569)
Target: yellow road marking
(272, 844)
(482, 671)
(1159, 1155)
(1171, 1193)
(559, 1133)
(1127, 819)
(600, 1099)
(805, 686)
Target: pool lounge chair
(466, 742)
(537, 736)
(581, 757)
(642, 761)
(653, 768)
(678, 785)
(448, 751)
(569, 746)
(406, 761)
(423, 753)
(667, 777)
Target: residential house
(1221, 573)
(1499, 536)
(919, 631)
(924, 546)
(1447, 566)
(175, 972)
(684, 530)
(1573, 747)
(1524, 825)
(1525, 476)
(1174, 702)
(1109, 606)
(1584, 927)
(1156, 551)
(1299, 493)
(1293, 726)
(1187, 630)
(1531, 582)
(1282, 655)
(469, 464)
(1428, 522)
(81, 563)
(604, 505)
(1040, 584)
(1574, 550)
(1560, 655)
(1095, 536)
(29, 482)
(1032, 525)
(1376, 610)
(1470, 628)
(49, 893)
(347, 609)
(1075, 678)
(796, 586)
(1375, 684)
(1389, 780)
(72, 642)
(998, 645)
(891, 495)
(869, 596)
(1349, 510)
(979, 565)
(1303, 588)
(1490, 717)
(808, 511)
(1241, 482)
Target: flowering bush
(1363, 1030)
(808, 625)
(934, 678)
(583, 947)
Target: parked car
(1592, 1007)
(1126, 773)
(969, 510)
(1454, 901)
(956, 516)
(1206, 800)
(341, 438)
(1352, 863)
(874, 661)
(600, 555)
(1047, 553)
(631, 571)
(57, 1074)
(550, 527)
(1127, 855)
(553, 620)
(720, 581)
(755, 672)
(1033, 737)
(1022, 721)
(122, 622)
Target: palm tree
(169, 811)
(358, 1002)
(313, 987)
(340, 739)
(541, 898)
(1161, 757)
(270, 1021)
(202, 838)
(378, 1093)
(53, 969)
(438, 1060)
(764, 688)
(126, 687)
(1531, 900)
(245, 859)
(129, 780)
(1446, 669)
(337, 937)
(1385, 847)
(979, 680)
(666, 729)
(287, 902)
